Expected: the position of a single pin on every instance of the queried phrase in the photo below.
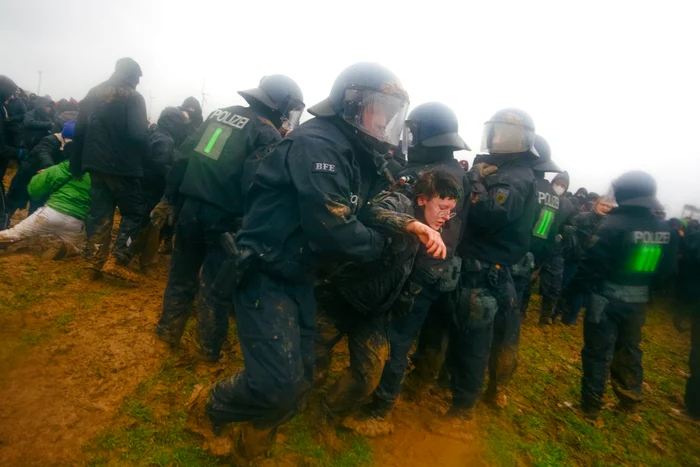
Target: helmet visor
(376, 114)
(292, 117)
(506, 138)
(409, 138)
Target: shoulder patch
(324, 167)
(502, 195)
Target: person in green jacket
(64, 212)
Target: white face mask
(559, 190)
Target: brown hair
(438, 183)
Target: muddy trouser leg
(626, 372)
(149, 236)
(503, 360)
(98, 224)
(17, 195)
(402, 331)
(183, 278)
(327, 334)
(550, 284)
(692, 387)
(522, 286)
(599, 335)
(128, 195)
(274, 321)
(368, 346)
(471, 332)
(213, 307)
(432, 344)
(572, 317)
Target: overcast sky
(613, 85)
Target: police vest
(217, 154)
(548, 202)
(640, 256)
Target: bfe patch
(324, 167)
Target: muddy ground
(84, 382)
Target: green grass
(541, 426)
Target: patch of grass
(64, 320)
(541, 426)
(89, 298)
(137, 409)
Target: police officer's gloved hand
(162, 214)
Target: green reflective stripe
(653, 261)
(645, 258)
(544, 222)
(212, 140)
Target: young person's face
(437, 210)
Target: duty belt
(625, 293)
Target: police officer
(430, 139)
(630, 251)
(544, 238)
(209, 177)
(301, 218)
(497, 236)
(687, 306)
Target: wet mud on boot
(115, 268)
(371, 421)
(495, 398)
(252, 444)
(458, 424)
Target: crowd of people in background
(358, 223)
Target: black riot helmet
(371, 99)
(545, 162)
(634, 188)
(282, 95)
(432, 125)
(509, 131)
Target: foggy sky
(612, 85)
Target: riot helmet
(509, 131)
(280, 94)
(371, 99)
(545, 162)
(432, 125)
(634, 188)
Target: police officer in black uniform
(430, 140)
(497, 236)
(208, 176)
(544, 238)
(630, 253)
(301, 220)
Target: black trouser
(149, 237)
(551, 274)
(431, 349)
(276, 323)
(486, 290)
(367, 344)
(611, 336)
(17, 195)
(692, 387)
(196, 261)
(107, 192)
(403, 331)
